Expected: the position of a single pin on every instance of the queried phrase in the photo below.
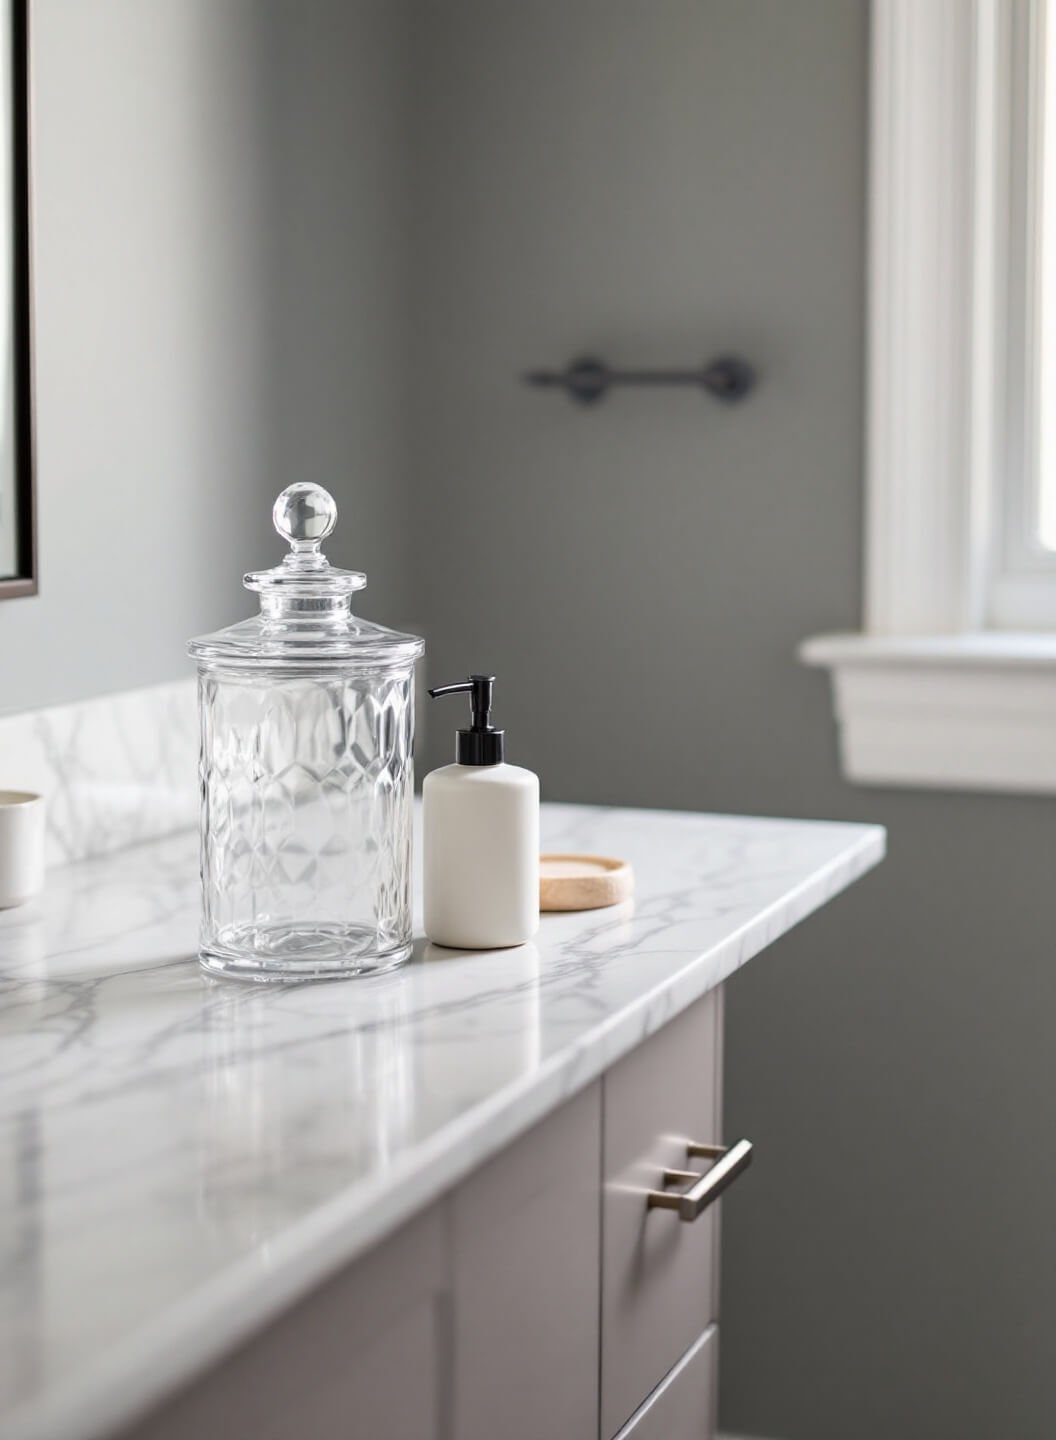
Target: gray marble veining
(184, 1156)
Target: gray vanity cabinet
(540, 1300)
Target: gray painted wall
(651, 182)
(151, 250)
(219, 291)
(338, 82)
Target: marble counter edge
(176, 1347)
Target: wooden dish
(583, 882)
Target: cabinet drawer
(684, 1406)
(659, 1274)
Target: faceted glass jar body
(307, 790)
(307, 780)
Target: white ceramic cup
(21, 847)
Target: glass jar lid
(305, 604)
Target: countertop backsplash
(116, 770)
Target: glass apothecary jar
(307, 781)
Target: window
(953, 680)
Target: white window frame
(1021, 584)
(934, 693)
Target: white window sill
(957, 712)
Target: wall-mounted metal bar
(588, 380)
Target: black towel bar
(588, 380)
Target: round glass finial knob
(304, 515)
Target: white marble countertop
(186, 1156)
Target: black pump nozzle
(480, 687)
(481, 744)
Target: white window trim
(928, 695)
(1022, 578)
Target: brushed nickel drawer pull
(729, 1163)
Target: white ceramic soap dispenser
(480, 838)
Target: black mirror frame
(24, 581)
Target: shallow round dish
(583, 882)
